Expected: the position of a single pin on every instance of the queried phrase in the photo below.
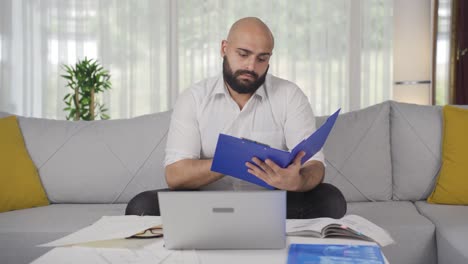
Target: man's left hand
(288, 178)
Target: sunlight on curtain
(339, 53)
(310, 43)
(376, 51)
(5, 19)
(129, 38)
(442, 85)
(312, 46)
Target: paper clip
(256, 142)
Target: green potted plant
(86, 78)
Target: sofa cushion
(451, 230)
(20, 185)
(105, 161)
(416, 133)
(452, 182)
(357, 154)
(22, 230)
(413, 233)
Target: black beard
(242, 87)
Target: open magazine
(350, 226)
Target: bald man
(245, 101)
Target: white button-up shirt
(277, 114)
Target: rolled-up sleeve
(300, 121)
(183, 141)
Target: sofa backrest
(416, 132)
(357, 154)
(386, 151)
(98, 161)
(4, 114)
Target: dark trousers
(325, 200)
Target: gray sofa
(385, 159)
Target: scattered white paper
(152, 253)
(70, 255)
(183, 257)
(107, 228)
(355, 222)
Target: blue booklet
(232, 153)
(335, 254)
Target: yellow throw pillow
(20, 185)
(452, 183)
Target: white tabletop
(130, 251)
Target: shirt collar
(222, 89)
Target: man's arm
(190, 174)
(184, 168)
(312, 173)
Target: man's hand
(289, 178)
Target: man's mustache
(240, 72)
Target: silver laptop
(223, 219)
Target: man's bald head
(246, 55)
(251, 27)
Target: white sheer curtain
(128, 37)
(338, 51)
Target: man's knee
(145, 203)
(333, 202)
(336, 200)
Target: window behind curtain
(318, 45)
(129, 38)
(337, 51)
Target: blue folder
(232, 153)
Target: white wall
(412, 54)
